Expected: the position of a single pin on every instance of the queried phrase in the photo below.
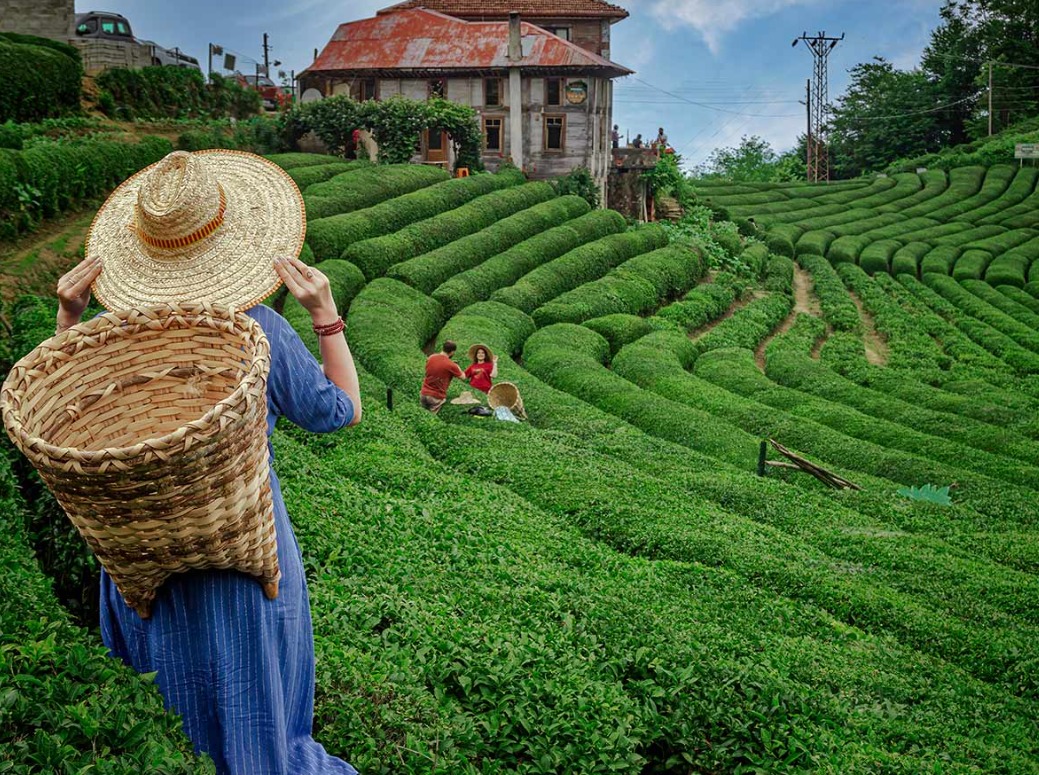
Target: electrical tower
(818, 156)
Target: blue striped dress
(237, 667)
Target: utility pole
(819, 156)
(990, 99)
(808, 107)
(266, 55)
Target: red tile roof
(425, 41)
(536, 9)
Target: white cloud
(714, 19)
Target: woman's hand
(74, 291)
(310, 287)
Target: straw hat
(475, 347)
(465, 398)
(196, 227)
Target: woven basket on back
(506, 394)
(150, 428)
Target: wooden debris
(796, 461)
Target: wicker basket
(150, 428)
(506, 394)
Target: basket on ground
(506, 394)
(150, 428)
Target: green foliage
(753, 160)
(396, 123)
(41, 78)
(578, 181)
(361, 188)
(174, 92)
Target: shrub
(366, 187)
(907, 258)
(837, 307)
(42, 78)
(579, 182)
(748, 325)
(375, 256)
(504, 269)
(877, 256)
(814, 242)
(293, 161)
(579, 266)
(428, 271)
(620, 328)
(971, 265)
(779, 243)
(779, 275)
(330, 237)
(636, 287)
(940, 259)
(319, 173)
(701, 305)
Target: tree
(752, 160)
(885, 114)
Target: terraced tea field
(610, 587)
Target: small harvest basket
(506, 394)
(150, 427)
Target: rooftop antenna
(818, 161)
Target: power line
(915, 112)
(708, 106)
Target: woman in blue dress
(237, 667)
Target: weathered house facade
(544, 96)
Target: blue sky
(734, 55)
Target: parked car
(273, 96)
(102, 24)
(105, 25)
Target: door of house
(436, 147)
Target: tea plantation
(610, 587)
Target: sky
(733, 57)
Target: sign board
(1026, 151)
(576, 92)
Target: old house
(544, 94)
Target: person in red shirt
(440, 370)
(484, 367)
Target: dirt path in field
(805, 303)
(876, 348)
(33, 263)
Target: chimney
(515, 42)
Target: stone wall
(46, 18)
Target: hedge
(1020, 188)
(971, 265)
(748, 326)
(57, 176)
(68, 706)
(779, 243)
(330, 237)
(706, 302)
(779, 275)
(621, 328)
(934, 183)
(754, 257)
(988, 294)
(877, 256)
(852, 195)
(636, 287)
(319, 173)
(293, 161)
(41, 79)
(908, 257)
(837, 307)
(426, 272)
(1017, 294)
(504, 269)
(814, 242)
(579, 266)
(940, 259)
(975, 307)
(363, 188)
(848, 249)
(964, 182)
(389, 323)
(375, 256)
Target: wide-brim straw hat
(475, 347)
(466, 398)
(194, 227)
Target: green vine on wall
(396, 123)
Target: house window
(364, 89)
(438, 88)
(555, 133)
(562, 32)
(492, 139)
(492, 92)
(553, 91)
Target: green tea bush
(964, 182)
(968, 236)
(747, 326)
(997, 179)
(848, 249)
(636, 287)
(375, 256)
(294, 161)
(700, 306)
(779, 243)
(837, 307)
(430, 270)
(42, 78)
(1021, 187)
(985, 292)
(982, 310)
(505, 269)
(330, 237)
(620, 328)
(779, 275)
(583, 264)
(940, 259)
(363, 188)
(1017, 294)
(908, 257)
(173, 92)
(816, 242)
(754, 258)
(971, 265)
(877, 256)
(907, 185)
(319, 173)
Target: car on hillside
(105, 25)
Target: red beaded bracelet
(331, 329)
